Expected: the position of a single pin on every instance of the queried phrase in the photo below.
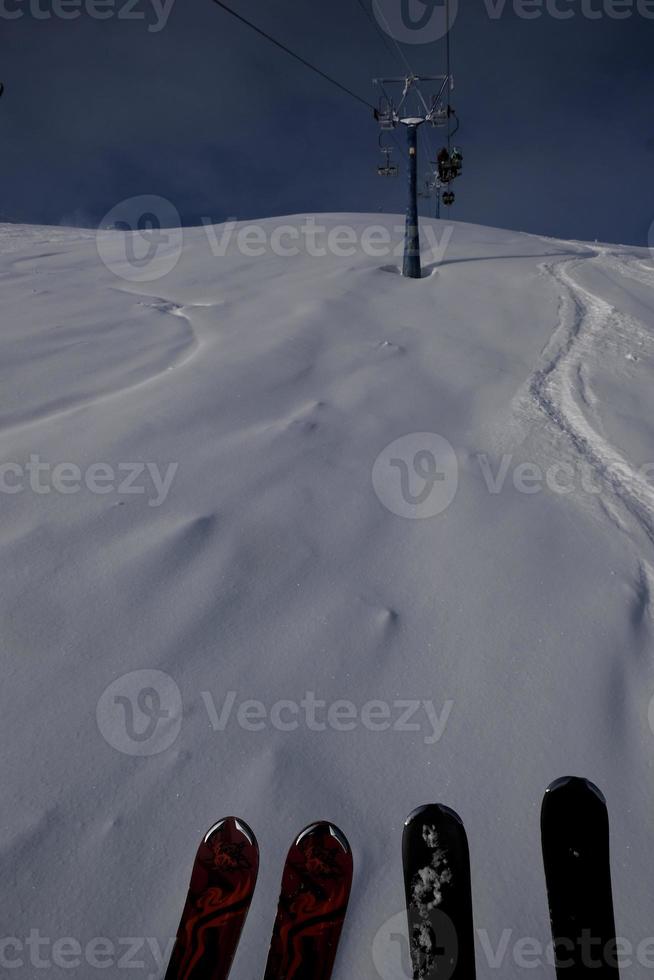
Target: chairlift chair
(386, 115)
(438, 113)
(427, 192)
(387, 169)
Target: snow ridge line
(186, 354)
(582, 317)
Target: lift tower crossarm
(413, 78)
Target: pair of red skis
(315, 890)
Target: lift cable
(448, 70)
(390, 34)
(375, 23)
(384, 38)
(297, 57)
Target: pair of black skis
(312, 905)
(575, 839)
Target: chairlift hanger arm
(442, 89)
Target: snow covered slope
(251, 400)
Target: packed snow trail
(564, 392)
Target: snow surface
(272, 569)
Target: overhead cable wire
(389, 32)
(384, 38)
(448, 56)
(375, 23)
(287, 50)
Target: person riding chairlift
(444, 165)
(449, 166)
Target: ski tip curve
(575, 784)
(324, 827)
(431, 810)
(231, 825)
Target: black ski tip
(324, 827)
(234, 824)
(576, 784)
(431, 810)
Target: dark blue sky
(556, 115)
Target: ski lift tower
(389, 116)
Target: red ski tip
(222, 884)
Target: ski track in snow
(561, 389)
